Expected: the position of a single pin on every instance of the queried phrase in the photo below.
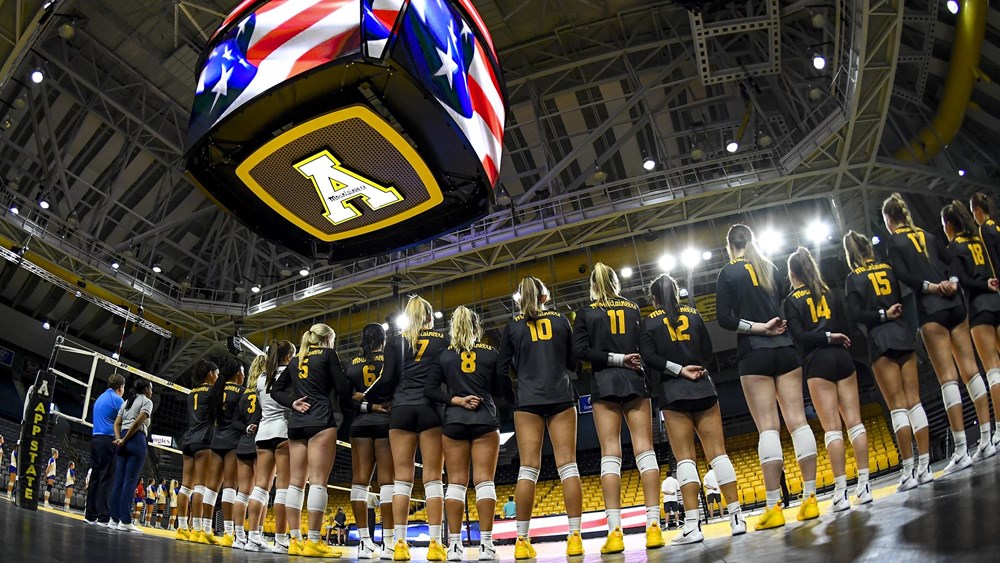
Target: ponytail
(258, 367)
(277, 352)
(230, 368)
(418, 313)
(139, 387)
(465, 329)
(956, 215)
(895, 208)
(372, 340)
(202, 371)
(532, 291)
(858, 249)
(986, 204)
(801, 264)
(741, 237)
(318, 334)
(664, 294)
(604, 284)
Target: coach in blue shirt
(102, 451)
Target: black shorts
(547, 411)
(949, 318)
(414, 418)
(896, 355)
(985, 318)
(831, 363)
(222, 452)
(69, 487)
(271, 444)
(372, 431)
(305, 433)
(466, 432)
(770, 362)
(671, 506)
(191, 449)
(713, 498)
(246, 457)
(692, 405)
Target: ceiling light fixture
(304, 272)
(255, 288)
(36, 76)
(626, 272)
(819, 61)
(115, 265)
(690, 258)
(952, 6)
(732, 146)
(43, 202)
(438, 315)
(157, 269)
(667, 263)
(649, 164)
(961, 172)
(13, 210)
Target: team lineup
(436, 392)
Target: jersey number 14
(822, 311)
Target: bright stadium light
(818, 231)
(626, 272)
(255, 288)
(401, 321)
(819, 62)
(438, 315)
(952, 6)
(961, 171)
(46, 325)
(304, 272)
(770, 241)
(648, 164)
(667, 262)
(13, 210)
(707, 255)
(690, 258)
(157, 269)
(732, 146)
(115, 265)
(876, 239)
(37, 76)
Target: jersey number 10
(540, 329)
(823, 311)
(880, 281)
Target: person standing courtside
(102, 451)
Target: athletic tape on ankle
(951, 395)
(260, 495)
(568, 471)
(316, 501)
(646, 461)
(456, 492)
(918, 417)
(803, 442)
(855, 432)
(526, 473)
(280, 495)
(993, 377)
(611, 465)
(242, 498)
(434, 489)
(687, 472)
(725, 473)
(900, 419)
(385, 494)
(184, 492)
(486, 491)
(976, 387)
(402, 488)
(359, 493)
(769, 447)
(229, 495)
(832, 436)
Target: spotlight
(516, 296)
(43, 202)
(697, 153)
(770, 241)
(707, 255)
(13, 210)
(732, 146)
(285, 272)
(37, 76)
(115, 356)
(304, 272)
(819, 62)
(385, 326)
(46, 325)
(648, 164)
(667, 263)
(115, 265)
(67, 31)
(626, 272)
(952, 6)
(876, 239)
(255, 288)
(818, 21)
(818, 231)
(157, 269)
(690, 258)
(438, 315)
(961, 172)
(401, 321)
(78, 294)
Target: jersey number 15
(880, 281)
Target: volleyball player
(151, 492)
(162, 492)
(413, 420)
(969, 262)
(537, 346)
(606, 334)
(50, 475)
(172, 493)
(272, 454)
(984, 211)
(917, 258)
(223, 399)
(819, 327)
(873, 300)
(471, 431)
(194, 498)
(370, 440)
(70, 482)
(12, 471)
(748, 302)
(311, 386)
(676, 343)
(246, 451)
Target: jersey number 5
(540, 329)
(823, 311)
(304, 370)
(468, 362)
(678, 334)
(880, 281)
(617, 317)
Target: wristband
(881, 315)
(674, 368)
(926, 286)
(616, 360)
(829, 337)
(746, 327)
(364, 406)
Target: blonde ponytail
(318, 335)
(465, 329)
(895, 208)
(532, 290)
(803, 266)
(604, 284)
(418, 313)
(258, 367)
(858, 249)
(741, 237)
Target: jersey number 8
(540, 329)
(468, 362)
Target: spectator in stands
(669, 488)
(140, 498)
(340, 526)
(713, 494)
(70, 483)
(509, 508)
(131, 429)
(102, 451)
(50, 475)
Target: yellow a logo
(337, 187)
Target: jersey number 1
(617, 317)
(753, 274)
(880, 281)
(823, 311)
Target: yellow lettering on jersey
(818, 312)
(468, 362)
(880, 281)
(752, 272)
(368, 375)
(978, 258)
(617, 317)
(422, 345)
(253, 404)
(540, 329)
(678, 334)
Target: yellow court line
(77, 516)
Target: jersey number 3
(880, 281)
(540, 329)
(823, 311)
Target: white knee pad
(316, 501)
(832, 436)
(242, 498)
(526, 473)
(568, 471)
(229, 495)
(208, 497)
(687, 472)
(646, 461)
(200, 490)
(855, 432)
(951, 395)
(769, 447)
(434, 489)
(402, 489)
(260, 495)
(725, 473)
(280, 496)
(918, 417)
(486, 491)
(359, 493)
(456, 492)
(976, 387)
(993, 377)
(611, 465)
(294, 497)
(184, 492)
(803, 442)
(385, 494)
(900, 420)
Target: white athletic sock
(296, 533)
(614, 518)
(399, 532)
(522, 528)
(227, 525)
(434, 531)
(314, 536)
(363, 534)
(182, 522)
(256, 537)
(961, 448)
(863, 475)
(840, 483)
(908, 466)
(985, 432)
(206, 525)
(652, 515)
(575, 524)
(734, 508)
(454, 539)
(808, 488)
(772, 497)
(486, 538)
(240, 533)
(196, 524)
(388, 538)
(691, 518)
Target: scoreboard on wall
(349, 127)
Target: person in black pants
(102, 451)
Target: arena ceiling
(596, 87)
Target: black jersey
(199, 417)
(739, 295)
(871, 290)
(409, 367)
(989, 232)
(540, 353)
(368, 378)
(811, 317)
(610, 327)
(682, 342)
(468, 372)
(227, 434)
(969, 262)
(918, 256)
(248, 415)
(320, 379)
